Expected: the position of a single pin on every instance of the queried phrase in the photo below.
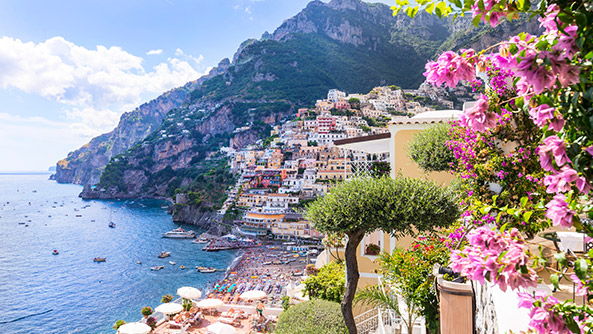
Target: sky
(70, 68)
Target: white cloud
(154, 52)
(96, 86)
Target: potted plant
(118, 324)
(187, 304)
(372, 249)
(151, 321)
(146, 311)
(167, 298)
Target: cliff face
(85, 165)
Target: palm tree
(378, 296)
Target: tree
(312, 317)
(363, 205)
(429, 148)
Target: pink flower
(549, 20)
(554, 147)
(541, 115)
(589, 150)
(560, 182)
(450, 68)
(583, 186)
(559, 212)
(581, 289)
(477, 117)
(481, 260)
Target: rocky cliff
(85, 165)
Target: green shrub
(118, 324)
(146, 311)
(167, 299)
(285, 303)
(312, 317)
(329, 283)
(429, 149)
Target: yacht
(180, 233)
(100, 259)
(164, 254)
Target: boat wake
(25, 317)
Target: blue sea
(69, 293)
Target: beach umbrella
(220, 328)
(169, 308)
(253, 295)
(209, 303)
(189, 292)
(134, 328)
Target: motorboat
(180, 233)
(208, 270)
(112, 225)
(55, 252)
(100, 259)
(156, 268)
(164, 254)
(139, 262)
(200, 241)
(182, 267)
(172, 263)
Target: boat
(172, 263)
(55, 252)
(139, 262)
(182, 267)
(180, 233)
(200, 241)
(112, 225)
(164, 254)
(200, 268)
(207, 270)
(100, 259)
(156, 268)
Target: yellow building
(294, 226)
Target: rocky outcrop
(85, 165)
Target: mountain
(346, 44)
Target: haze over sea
(73, 293)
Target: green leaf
(523, 5)
(581, 19)
(580, 268)
(503, 227)
(554, 280)
(527, 215)
(430, 8)
(560, 258)
(476, 20)
(524, 200)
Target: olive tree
(400, 206)
(429, 148)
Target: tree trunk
(352, 276)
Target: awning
(372, 144)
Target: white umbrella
(220, 328)
(169, 308)
(189, 292)
(253, 295)
(134, 328)
(209, 303)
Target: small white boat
(200, 241)
(172, 263)
(180, 233)
(207, 270)
(164, 254)
(139, 262)
(156, 268)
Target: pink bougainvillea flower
(548, 21)
(553, 147)
(541, 115)
(561, 181)
(583, 186)
(477, 117)
(581, 289)
(559, 212)
(589, 150)
(450, 68)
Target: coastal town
(303, 159)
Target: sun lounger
(183, 330)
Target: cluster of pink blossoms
(500, 257)
(543, 319)
(478, 117)
(450, 68)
